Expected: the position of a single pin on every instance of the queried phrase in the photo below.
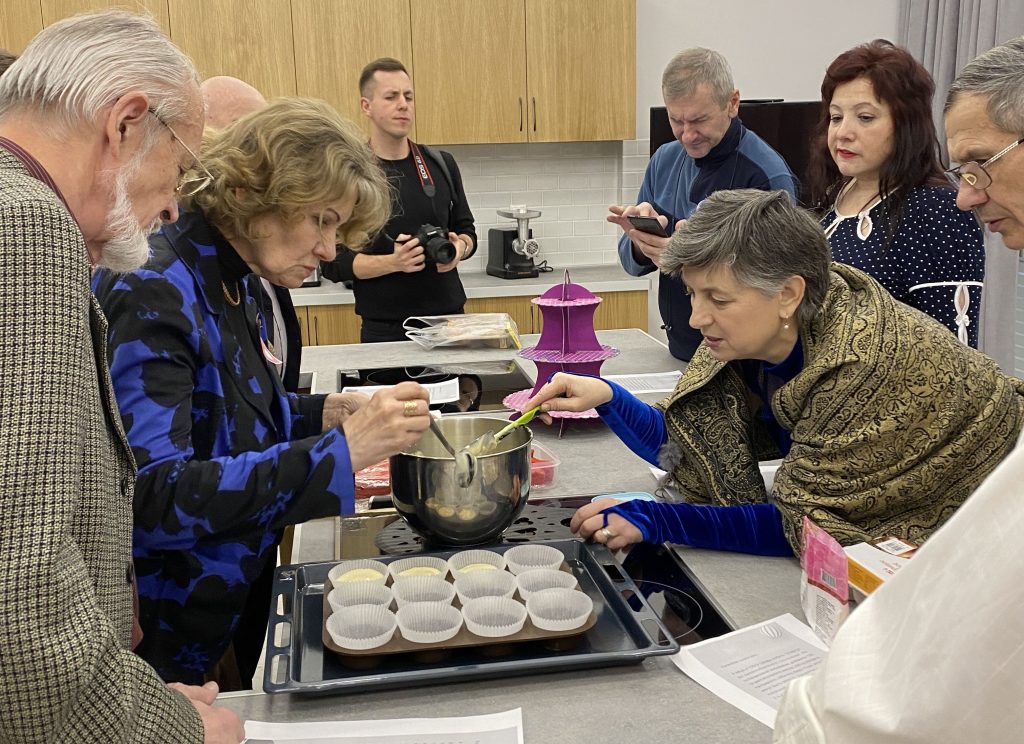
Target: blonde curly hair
(284, 158)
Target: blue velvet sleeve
(744, 528)
(640, 426)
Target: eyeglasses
(974, 174)
(187, 185)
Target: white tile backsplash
(572, 183)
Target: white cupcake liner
(428, 622)
(410, 564)
(494, 617)
(477, 584)
(361, 627)
(470, 557)
(352, 593)
(337, 574)
(559, 609)
(417, 589)
(528, 557)
(539, 579)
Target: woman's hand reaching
(570, 393)
(590, 523)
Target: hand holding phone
(649, 225)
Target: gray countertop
(608, 278)
(651, 701)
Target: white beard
(128, 248)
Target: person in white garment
(937, 653)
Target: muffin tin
(626, 631)
(491, 616)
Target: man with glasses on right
(936, 654)
(984, 127)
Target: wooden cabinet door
(248, 39)
(470, 82)
(333, 324)
(335, 39)
(581, 69)
(54, 10)
(19, 22)
(519, 308)
(302, 315)
(621, 310)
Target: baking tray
(463, 639)
(626, 632)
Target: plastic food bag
(824, 591)
(494, 330)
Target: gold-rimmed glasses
(187, 185)
(974, 174)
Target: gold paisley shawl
(894, 422)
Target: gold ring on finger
(411, 408)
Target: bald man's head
(228, 99)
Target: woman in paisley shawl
(884, 421)
(226, 457)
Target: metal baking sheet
(627, 631)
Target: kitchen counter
(607, 278)
(651, 701)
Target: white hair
(76, 67)
(997, 74)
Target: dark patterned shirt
(935, 261)
(226, 458)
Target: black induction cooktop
(657, 571)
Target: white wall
(777, 48)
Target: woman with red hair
(886, 206)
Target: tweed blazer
(67, 673)
(894, 422)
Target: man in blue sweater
(712, 151)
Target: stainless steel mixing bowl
(427, 495)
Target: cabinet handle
(316, 333)
(534, 99)
(520, 113)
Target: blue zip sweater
(674, 184)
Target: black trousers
(378, 331)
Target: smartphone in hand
(649, 225)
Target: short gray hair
(76, 67)
(693, 67)
(762, 237)
(998, 74)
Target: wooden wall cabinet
(335, 39)
(525, 70)
(54, 10)
(19, 22)
(470, 81)
(248, 39)
(485, 71)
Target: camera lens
(439, 250)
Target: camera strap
(422, 170)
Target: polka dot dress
(936, 261)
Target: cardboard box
(869, 567)
(355, 534)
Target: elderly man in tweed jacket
(94, 121)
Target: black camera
(436, 246)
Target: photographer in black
(410, 268)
